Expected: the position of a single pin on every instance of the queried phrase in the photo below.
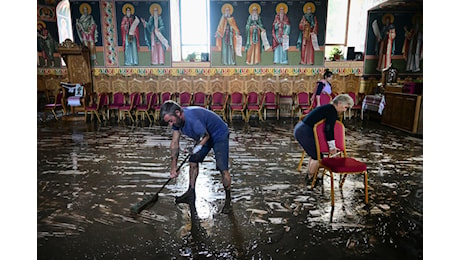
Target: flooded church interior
(106, 68)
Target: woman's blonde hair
(343, 98)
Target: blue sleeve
(319, 88)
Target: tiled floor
(90, 174)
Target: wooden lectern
(78, 63)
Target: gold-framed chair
(219, 104)
(339, 163)
(254, 104)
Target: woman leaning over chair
(303, 131)
(322, 86)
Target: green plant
(191, 57)
(335, 54)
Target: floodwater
(90, 174)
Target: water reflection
(88, 176)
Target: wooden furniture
(78, 65)
(403, 111)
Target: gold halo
(87, 7)
(256, 5)
(43, 24)
(278, 7)
(152, 6)
(384, 18)
(312, 5)
(126, 6)
(230, 7)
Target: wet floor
(89, 175)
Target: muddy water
(90, 175)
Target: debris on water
(186, 252)
(315, 213)
(384, 206)
(277, 221)
(376, 211)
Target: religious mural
(267, 33)
(143, 33)
(47, 37)
(394, 40)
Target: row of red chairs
(303, 104)
(135, 105)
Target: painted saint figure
(254, 29)
(46, 44)
(385, 42)
(154, 31)
(413, 45)
(226, 36)
(130, 35)
(280, 34)
(308, 27)
(87, 30)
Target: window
(192, 39)
(352, 13)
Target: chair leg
(366, 198)
(299, 167)
(332, 189)
(97, 116)
(342, 180)
(54, 113)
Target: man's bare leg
(226, 181)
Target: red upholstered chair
(144, 107)
(164, 96)
(324, 99)
(358, 103)
(219, 104)
(341, 163)
(271, 102)
(254, 103)
(200, 99)
(95, 104)
(302, 103)
(237, 104)
(117, 100)
(155, 106)
(185, 99)
(58, 104)
(129, 107)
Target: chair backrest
(252, 98)
(199, 99)
(118, 98)
(185, 98)
(324, 99)
(59, 99)
(155, 100)
(218, 98)
(236, 98)
(134, 99)
(303, 98)
(270, 98)
(321, 141)
(353, 96)
(165, 96)
(104, 99)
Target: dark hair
(327, 73)
(169, 107)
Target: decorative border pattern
(109, 34)
(208, 71)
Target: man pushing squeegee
(209, 131)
